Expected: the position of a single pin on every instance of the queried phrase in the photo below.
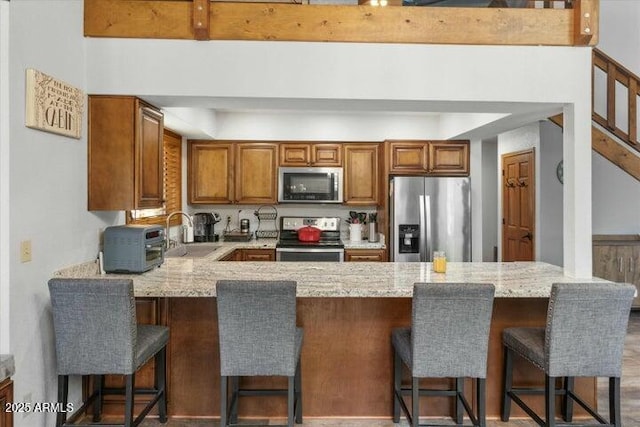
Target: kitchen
(68, 235)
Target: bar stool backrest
(450, 329)
(586, 327)
(94, 321)
(257, 326)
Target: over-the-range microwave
(310, 185)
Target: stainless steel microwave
(310, 185)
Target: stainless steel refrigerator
(430, 214)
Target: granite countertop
(7, 366)
(196, 277)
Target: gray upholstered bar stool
(583, 337)
(258, 337)
(448, 338)
(96, 333)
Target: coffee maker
(203, 227)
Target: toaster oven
(133, 248)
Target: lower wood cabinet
(6, 396)
(617, 258)
(365, 255)
(250, 255)
(258, 255)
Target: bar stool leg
(550, 401)
(459, 394)
(223, 401)
(161, 383)
(567, 401)
(128, 406)
(415, 402)
(98, 385)
(508, 384)
(235, 400)
(290, 401)
(63, 393)
(397, 380)
(298, 388)
(615, 417)
(481, 391)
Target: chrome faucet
(168, 240)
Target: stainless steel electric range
(328, 248)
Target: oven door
(310, 254)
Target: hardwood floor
(630, 397)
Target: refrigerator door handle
(423, 230)
(429, 242)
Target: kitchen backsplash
(246, 211)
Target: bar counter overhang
(347, 311)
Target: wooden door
(149, 160)
(361, 174)
(210, 172)
(518, 206)
(256, 177)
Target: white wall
(48, 193)
(490, 201)
(620, 32)
(4, 180)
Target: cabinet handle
(630, 265)
(620, 265)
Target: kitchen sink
(191, 251)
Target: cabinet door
(6, 396)
(329, 155)
(295, 154)
(210, 172)
(256, 177)
(633, 270)
(361, 174)
(259, 255)
(364, 255)
(149, 170)
(607, 263)
(408, 156)
(449, 158)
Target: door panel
(518, 206)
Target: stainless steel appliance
(310, 185)
(328, 248)
(430, 214)
(203, 227)
(133, 248)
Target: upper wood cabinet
(256, 172)
(225, 172)
(125, 154)
(361, 174)
(449, 158)
(439, 158)
(210, 177)
(310, 154)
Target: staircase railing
(611, 83)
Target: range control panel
(323, 223)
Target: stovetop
(330, 237)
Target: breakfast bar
(347, 311)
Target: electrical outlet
(25, 251)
